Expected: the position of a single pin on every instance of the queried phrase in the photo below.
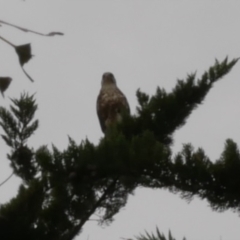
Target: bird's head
(108, 79)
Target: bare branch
(29, 77)
(6, 41)
(28, 30)
(6, 179)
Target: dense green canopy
(61, 189)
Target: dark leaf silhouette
(4, 83)
(53, 34)
(24, 53)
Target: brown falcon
(111, 102)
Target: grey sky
(145, 44)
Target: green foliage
(18, 126)
(165, 112)
(217, 182)
(157, 236)
(16, 123)
(61, 190)
(19, 217)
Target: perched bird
(111, 102)
(4, 83)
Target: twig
(6, 41)
(27, 30)
(30, 78)
(6, 179)
(77, 228)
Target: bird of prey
(111, 102)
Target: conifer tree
(62, 189)
(156, 236)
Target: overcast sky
(145, 44)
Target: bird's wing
(125, 103)
(109, 104)
(101, 110)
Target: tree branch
(6, 179)
(77, 228)
(27, 30)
